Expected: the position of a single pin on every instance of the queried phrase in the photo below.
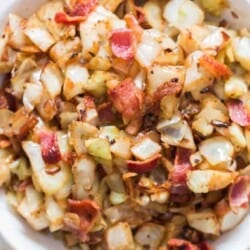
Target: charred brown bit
(106, 114)
(169, 88)
(22, 123)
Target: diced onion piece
(99, 147)
(172, 131)
(228, 218)
(235, 87)
(6, 115)
(204, 221)
(52, 79)
(231, 219)
(32, 95)
(5, 173)
(31, 208)
(204, 181)
(50, 184)
(63, 50)
(93, 29)
(195, 80)
(196, 159)
(216, 40)
(109, 132)
(47, 13)
(18, 40)
(145, 149)
(153, 14)
(183, 14)
(149, 234)
(241, 49)
(79, 132)
(117, 198)
(217, 150)
(119, 236)
(121, 146)
(38, 34)
(75, 79)
(158, 75)
(235, 134)
(84, 172)
(147, 50)
(55, 214)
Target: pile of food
(126, 124)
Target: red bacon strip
(214, 67)
(122, 43)
(77, 13)
(141, 167)
(127, 99)
(49, 146)
(238, 113)
(181, 244)
(239, 192)
(181, 165)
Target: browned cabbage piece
(124, 124)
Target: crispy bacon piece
(238, 113)
(122, 43)
(181, 244)
(204, 246)
(181, 165)
(141, 167)
(76, 13)
(214, 67)
(105, 113)
(127, 99)
(239, 192)
(88, 212)
(50, 150)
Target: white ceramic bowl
(17, 235)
